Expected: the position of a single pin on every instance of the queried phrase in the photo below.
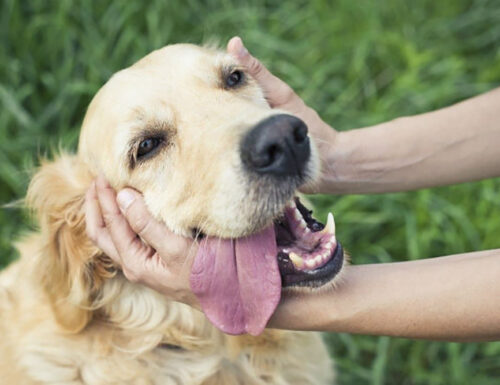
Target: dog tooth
(318, 259)
(330, 225)
(310, 263)
(296, 259)
(329, 245)
(297, 215)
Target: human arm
(452, 298)
(451, 145)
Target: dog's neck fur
(136, 336)
(69, 317)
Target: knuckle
(285, 97)
(91, 233)
(255, 67)
(131, 275)
(179, 249)
(100, 242)
(110, 218)
(140, 224)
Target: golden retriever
(188, 128)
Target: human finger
(276, 91)
(154, 233)
(95, 226)
(129, 246)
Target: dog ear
(71, 267)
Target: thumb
(277, 92)
(140, 220)
(155, 233)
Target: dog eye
(147, 145)
(234, 78)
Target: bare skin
(453, 298)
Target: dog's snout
(278, 145)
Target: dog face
(192, 131)
(173, 126)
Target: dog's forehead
(180, 57)
(176, 74)
(165, 75)
(178, 66)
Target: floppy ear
(71, 267)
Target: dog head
(186, 126)
(191, 130)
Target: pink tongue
(237, 281)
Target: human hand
(280, 95)
(158, 259)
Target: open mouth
(308, 251)
(239, 281)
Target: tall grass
(357, 62)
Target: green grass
(357, 62)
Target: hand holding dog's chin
(281, 96)
(158, 259)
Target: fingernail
(239, 50)
(125, 199)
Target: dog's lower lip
(308, 252)
(197, 234)
(317, 277)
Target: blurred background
(357, 62)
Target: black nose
(278, 145)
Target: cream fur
(69, 317)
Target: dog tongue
(237, 281)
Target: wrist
(324, 138)
(339, 168)
(330, 309)
(360, 160)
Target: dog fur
(68, 316)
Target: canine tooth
(297, 215)
(330, 225)
(296, 259)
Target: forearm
(455, 298)
(452, 145)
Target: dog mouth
(239, 281)
(309, 254)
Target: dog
(192, 131)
